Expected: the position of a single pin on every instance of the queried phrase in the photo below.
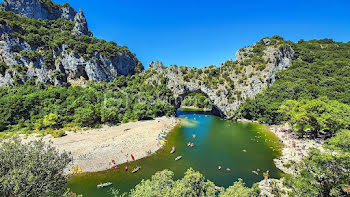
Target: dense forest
(197, 100)
(48, 108)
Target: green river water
(218, 142)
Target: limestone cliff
(231, 84)
(46, 9)
(58, 50)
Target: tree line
(47, 108)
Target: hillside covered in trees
(321, 68)
(48, 108)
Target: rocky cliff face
(231, 84)
(40, 9)
(81, 26)
(27, 54)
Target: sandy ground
(94, 149)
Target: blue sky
(199, 33)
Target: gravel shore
(93, 150)
(294, 149)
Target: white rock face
(68, 67)
(74, 68)
(35, 9)
(81, 26)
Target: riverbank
(294, 149)
(93, 150)
(194, 109)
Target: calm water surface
(217, 142)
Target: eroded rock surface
(236, 82)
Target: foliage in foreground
(192, 184)
(31, 169)
(324, 173)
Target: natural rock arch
(253, 78)
(179, 97)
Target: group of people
(227, 169)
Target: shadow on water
(241, 147)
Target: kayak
(178, 158)
(136, 170)
(158, 172)
(104, 185)
(172, 150)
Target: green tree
(318, 115)
(192, 184)
(3, 68)
(322, 174)
(159, 185)
(50, 120)
(341, 142)
(239, 190)
(32, 169)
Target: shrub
(32, 169)
(58, 133)
(3, 67)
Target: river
(241, 147)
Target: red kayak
(132, 157)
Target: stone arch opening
(179, 98)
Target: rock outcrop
(249, 79)
(81, 26)
(48, 11)
(73, 68)
(63, 64)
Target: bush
(58, 133)
(192, 184)
(3, 68)
(33, 39)
(32, 169)
(32, 55)
(261, 67)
